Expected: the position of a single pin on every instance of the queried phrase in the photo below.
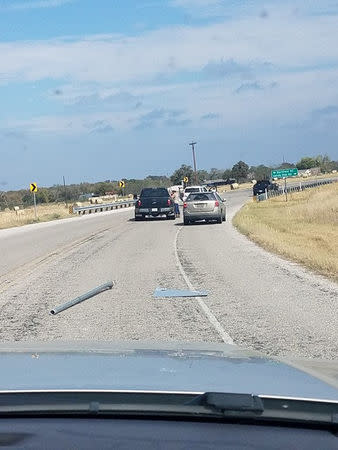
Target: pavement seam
(212, 319)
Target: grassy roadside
(9, 219)
(304, 229)
(45, 212)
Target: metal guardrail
(299, 188)
(101, 207)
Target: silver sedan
(206, 206)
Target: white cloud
(286, 42)
(290, 101)
(34, 4)
(295, 53)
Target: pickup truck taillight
(216, 203)
(169, 202)
(139, 203)
(184, 205)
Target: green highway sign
(284, 173)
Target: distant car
(154, 202)
(206, 206)
(188, 190)
(261, 186)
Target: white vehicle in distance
(188, 190)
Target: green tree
(326, 164)
(240, 171)
(216, 174)
(42, 195)
(227, 174)
(286, 165)
(3, 200)
(12, 198)
(202, 175)
(260, 172)
(307, 163)
(179, 174)
(102, 188)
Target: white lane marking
(212, 319)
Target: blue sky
(107, 89)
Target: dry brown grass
(45, 213)
(227, 188)
(304, 229)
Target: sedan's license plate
(200, 205)
(154, 209)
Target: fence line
(302, 185)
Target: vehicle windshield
(169, 175)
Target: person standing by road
(175, 197)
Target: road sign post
(122, 185)
(35, 212)
(285, 190)
(284, 174)
(34, 189)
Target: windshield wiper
(216, 405)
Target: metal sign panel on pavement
(284, 173)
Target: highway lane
(28, 243)
(257, 299)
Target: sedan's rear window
(154, 192)
(200, 196)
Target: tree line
(240, 172)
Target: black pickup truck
(262, 185)
(154, 202)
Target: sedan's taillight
(169, 202)
(184, 205)
(139, 203)
(216, 203)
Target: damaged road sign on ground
(164, 293)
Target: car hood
(149, 366)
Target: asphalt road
(255, 299)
